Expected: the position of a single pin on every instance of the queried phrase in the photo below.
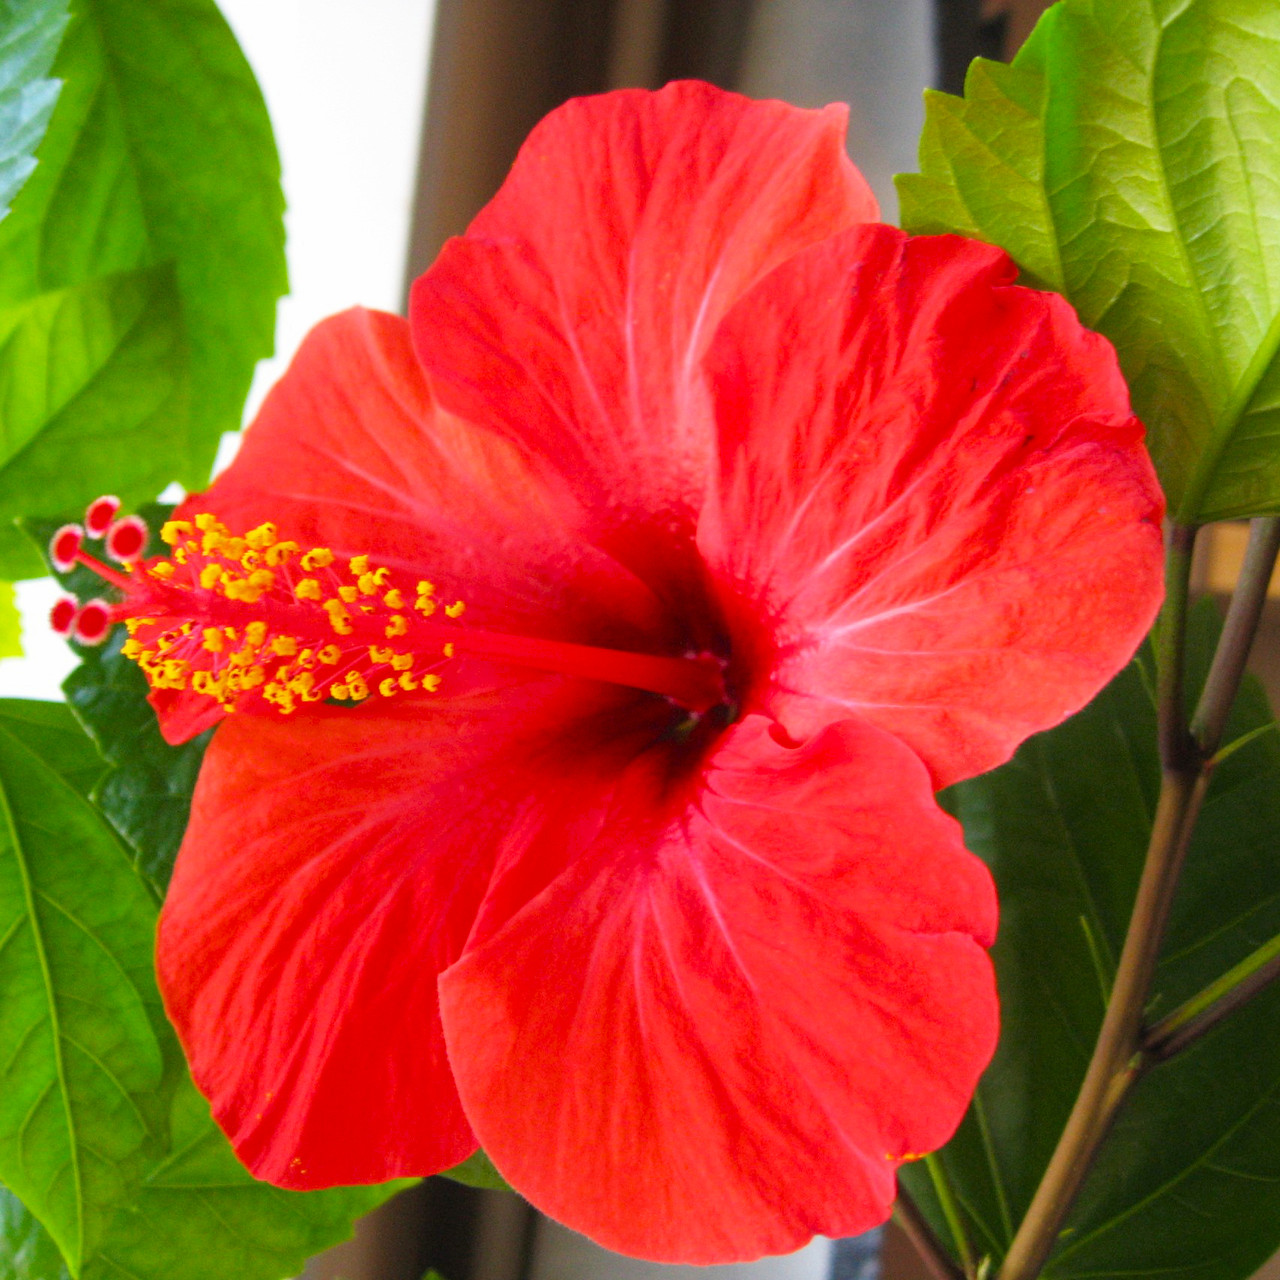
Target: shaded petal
(332, 867)
(351, 451)
(720, 1029)
(930, 482)
(574, 313)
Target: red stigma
(100, 513)
(93, 623)
(62, 616)
(127, 538)
(64, 546)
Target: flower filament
(257, 622)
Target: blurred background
(396, 120)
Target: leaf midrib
(55, 1025)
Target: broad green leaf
(200, 1215)
(1189, 1182)
(146, 794)
(1130, 158)
(90, 380)
(81, 1062)
(30, 31)
(158, 168)
(27, 1251)
(10, 623)
(50, 731)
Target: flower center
(258, 622)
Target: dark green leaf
(1190, 1180)
(200, 1216)
(81, 1026)
(50, 731)
(158, 173)
(147, 792)
(1128, 158)
(477, 1171)
(30, 31)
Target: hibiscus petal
(574, 313)
(720, 1029)
(301, 937)
(332, 867)
(933, 484)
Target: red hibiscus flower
(767, 521)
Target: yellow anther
(234, 548)
(205, 522)
(388, 686)
(382, 576)
(231, 633)
(396, 627)
(448, 650)
(284, 646)
(426, 588)
(308, 589)
(393, 599)
(255, 634)
(455, 609)
(162, 569)
(209, 576)
(426, 604)
(349, 593)
(280, 552)
(306, 658)
(214, 641)
(262, 579)
(180, 555)
(212, 542)
(261, 537)
(131, 648)
(358, 565)
(249, 560)
(431, 682)
(303, 684)
(173, 531)
(245, 657)
(356, 686)
(317, 558)
(401, 662)
(252, 677)
(341, 625)
(132, 624)
(368, 584)
(407, 682)
(330, 655)
(379, 654)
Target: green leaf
(27, 1251)
(30, 32)
(81, 1025)
(10, 623)
(1129, 159)
(477, 1170)
(1189, 1181)
(146, 794)
(200, 1215)
(50, 731)
(142, 261)
(90, 380)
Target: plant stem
(1204, 1011)
(1210, 719)
(950, 1211)
(925, 1243)
(1117, 1058)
